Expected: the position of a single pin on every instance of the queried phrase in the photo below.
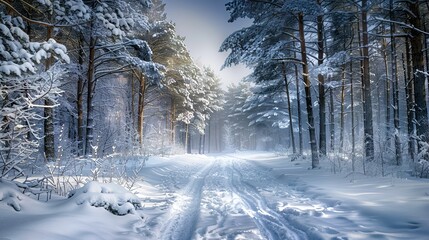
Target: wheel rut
(184, 212)
(229, 199)
(270, 223)
(220, 202)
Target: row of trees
(90, 78)
(365, 57)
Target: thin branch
(402, 24)
(292, 60)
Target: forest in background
(342, 81)
(348, 79)
(94, 78)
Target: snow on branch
(402, 24)
(424, 73)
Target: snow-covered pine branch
(23, 84)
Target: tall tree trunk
(188, 146)
(321, 79)
(409, 84)
(395, 80)
(200, 143)
(140, 122)
(209, 136)
(173, 123)
(361, 79)
(79, 101)
(309, 103)
(49, 143)
(49, 139)
(425, 45)
(90, 95)
(331, 118)
(298, 102)
(289, 108)
(204, 141)
(216, 134)
(343, 90)
(352, 109)
(387, 84)
(366, 88)
(416, 41)
(132, 112)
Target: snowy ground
(252, 195)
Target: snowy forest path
(219, 202)
(228, 197)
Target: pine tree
(366, 86)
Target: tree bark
(366, 88)
(352, 109)
(200, 143)
(321, 80)
(425, 45)
(79, 101)
(410, 100)
(298, 103)
(331, 118)
(188, 140)
(309, 103)
(49, 138)
(342, 117)
(204, 141)
(416, 41)
(90, 95)
(132, 112)
(395, 81)
(387, 88)
(292, 137)
(140, 121)
(209, 136)
(173, 122)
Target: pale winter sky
(204, 24)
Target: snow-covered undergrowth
(67, 174)
(110, 196)
(90, 213)
(243, 195)
(10, 195)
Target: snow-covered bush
(112, 197)
(124, 170)
(421, 166)
(69, 173)
(10, 195)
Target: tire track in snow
(270, 223)
(238, 198)
(184, 213)
(222, 215)
(226, 176)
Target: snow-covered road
(219, 202)
(244, 195)
(230, 197)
